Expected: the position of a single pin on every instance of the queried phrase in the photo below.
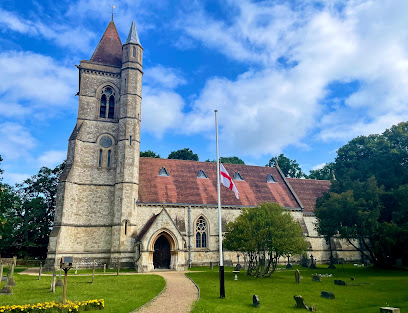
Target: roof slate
(308, 190)
(109, 49)
(183, 186)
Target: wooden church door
(161, 254)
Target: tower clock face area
(105, 142)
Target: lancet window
(107, 105)
(201, 233)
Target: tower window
(107, 105)
(201, 233)
(126, 226)
(109, 158)
(100, 157)
(134, 52)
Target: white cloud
(318, 166)
(15, 178)
(16, 140)
(52, 158)
(163, 77)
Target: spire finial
(113, 7)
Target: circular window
(105, 142)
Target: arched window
(201, 233)
(109, 158)
(107, 107)
(134, 52)
(100, 157)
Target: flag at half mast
(227, 181)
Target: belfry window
(201, 233)
(107, 105)
(134, 52)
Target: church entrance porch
(161, 254)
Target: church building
(147, 213)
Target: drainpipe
(189, 236)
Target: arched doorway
(161, 254)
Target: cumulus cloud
(16, 140)
(163, 77)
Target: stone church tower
(99, 186)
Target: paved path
(178, 296)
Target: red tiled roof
(109, 49)
(308, 190)
(183, 186)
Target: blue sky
(295, 77)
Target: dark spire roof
(109, 49)
(133, 37)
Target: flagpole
(222, 286)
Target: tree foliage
(230, 160)
(28, 211)
(264, 234)
(289, 168)
(149, 154)
(183, 154)
(324, 173)
(368, 200)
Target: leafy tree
(149, 154)
(324, 173)
(265, 234)
(230, 160)
(183, 154)
(290, 168)
(368, 200)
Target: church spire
(133, 37)
(109, 49)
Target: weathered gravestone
(11, 281)
(288, 265)
(327, 295)
(255, 301)
(340, 282)
(389, 310)
(301, 304)
(104, 268)
(59, 282)
(312, 264)
(316, 278)
(6, 290)
(211, 265)
(297, 276)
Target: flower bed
(55, 307)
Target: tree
(230, 160)
(264, 234)
(183, 154)
(324, 173)
(290, 168)
(149, 154)
(367, 201)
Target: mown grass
(122, 293)
(371, 289)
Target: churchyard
(370, 290)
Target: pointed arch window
(134, 52)
(237, 176)
(201, 233)
(107, 105)
(163, 172)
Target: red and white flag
(227, 181)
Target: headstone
(104, 268)
(389, 310)
(327, 295)
(59, 282)
(340, 282)
(304, 262)
(301, 304)
(93, 272)
(297, 276)
(331, 262)
(255, 301)
(316, 278)
(118, 268)
(54, 274)
(288, 265)
(6, 290)
(11, 281)
(15, 260)
(211, 265)
(312, 265)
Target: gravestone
(118, 268)
(389, 310)
(327, 295)
(312, 265)
(331, 265)
(255, 301)
(288, 265)
(237, 267)
(59, 282)
(297, 276)
(104, 268)
(211, 265)
(11, 281)
(6, 290)
(340, 282)
(316, 278)
(301, 304)
(93, 272)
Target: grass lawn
(122, 294)
(373, 288)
